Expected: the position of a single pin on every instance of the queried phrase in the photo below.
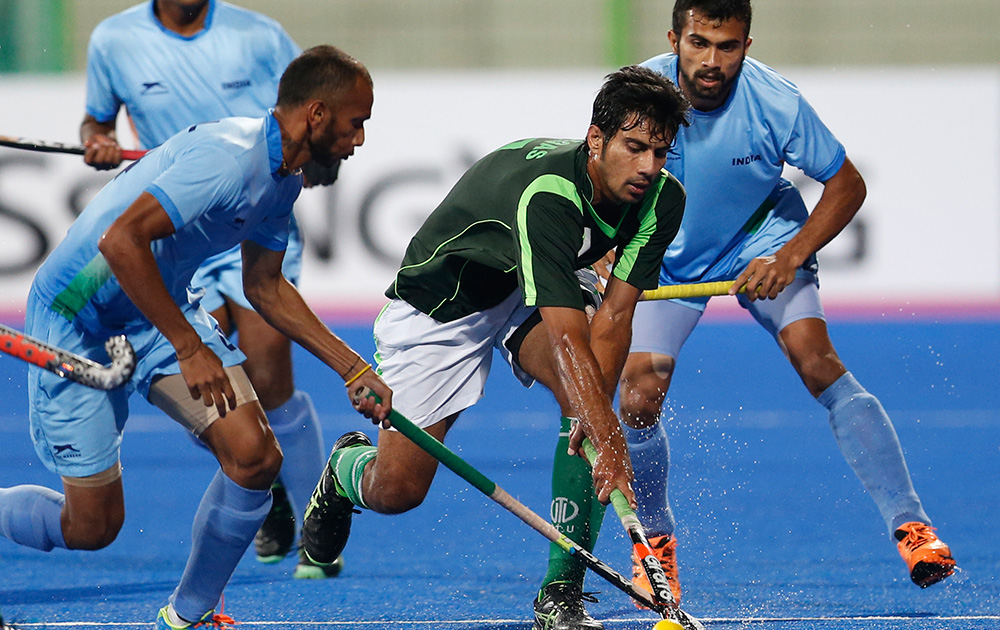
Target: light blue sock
(224, 525)
(30, 516)
(650, 453)
(296, 426)
(869, 444)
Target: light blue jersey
(217, 181)
(730, 162)
(168, 82)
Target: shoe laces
(666, 553)
(917, 535)
(570, 597)
(219, 619)
(664, 549)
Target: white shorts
(438, 369)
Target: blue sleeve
(812, 147)
(202, 179)
(273, 233)
(102, 103)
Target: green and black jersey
(521, 216)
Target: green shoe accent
(307, 570)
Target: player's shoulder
(232, 137)
(765, 80)
(671, 188)
(535, 152)
(124, 24)
(665, 64)
(239, 17)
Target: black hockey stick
(58, 147)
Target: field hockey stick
(480, 482)
(59, 147)
(640, 544)
(72, 366)
(701, 289)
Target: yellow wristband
(358, 375)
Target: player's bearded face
(710, 56)
(628, 164)
(344, 129)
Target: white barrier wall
(927, 142)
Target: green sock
(575, 510)
(348, 465)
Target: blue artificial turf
(775, 531)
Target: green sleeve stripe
(647, 227)
(84, 285)
(445, 242)
(548, 183)
(438, 249)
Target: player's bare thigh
(241, 440)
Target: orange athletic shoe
(928, 559)
(664, 548)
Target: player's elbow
(254, 294)
(116, 247)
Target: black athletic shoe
(276, 536)
(327, 523)
(559, 606)
(308, 570)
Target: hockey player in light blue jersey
(743, 222)
(125, 267)
(172, 64)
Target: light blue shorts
(221, 276)
(77, 431)
(662, 326)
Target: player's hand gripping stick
(45, 146)
(650, 563)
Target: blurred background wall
(51, 35)
(911, 87)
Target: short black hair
(634, 95)
(321, 71)
(720, 10)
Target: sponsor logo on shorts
(235, 85)
(563, 511)
(65, 451)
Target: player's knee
(256, 468)
(96, 533)
(401, 497)
(820, 370)
(641, 397)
